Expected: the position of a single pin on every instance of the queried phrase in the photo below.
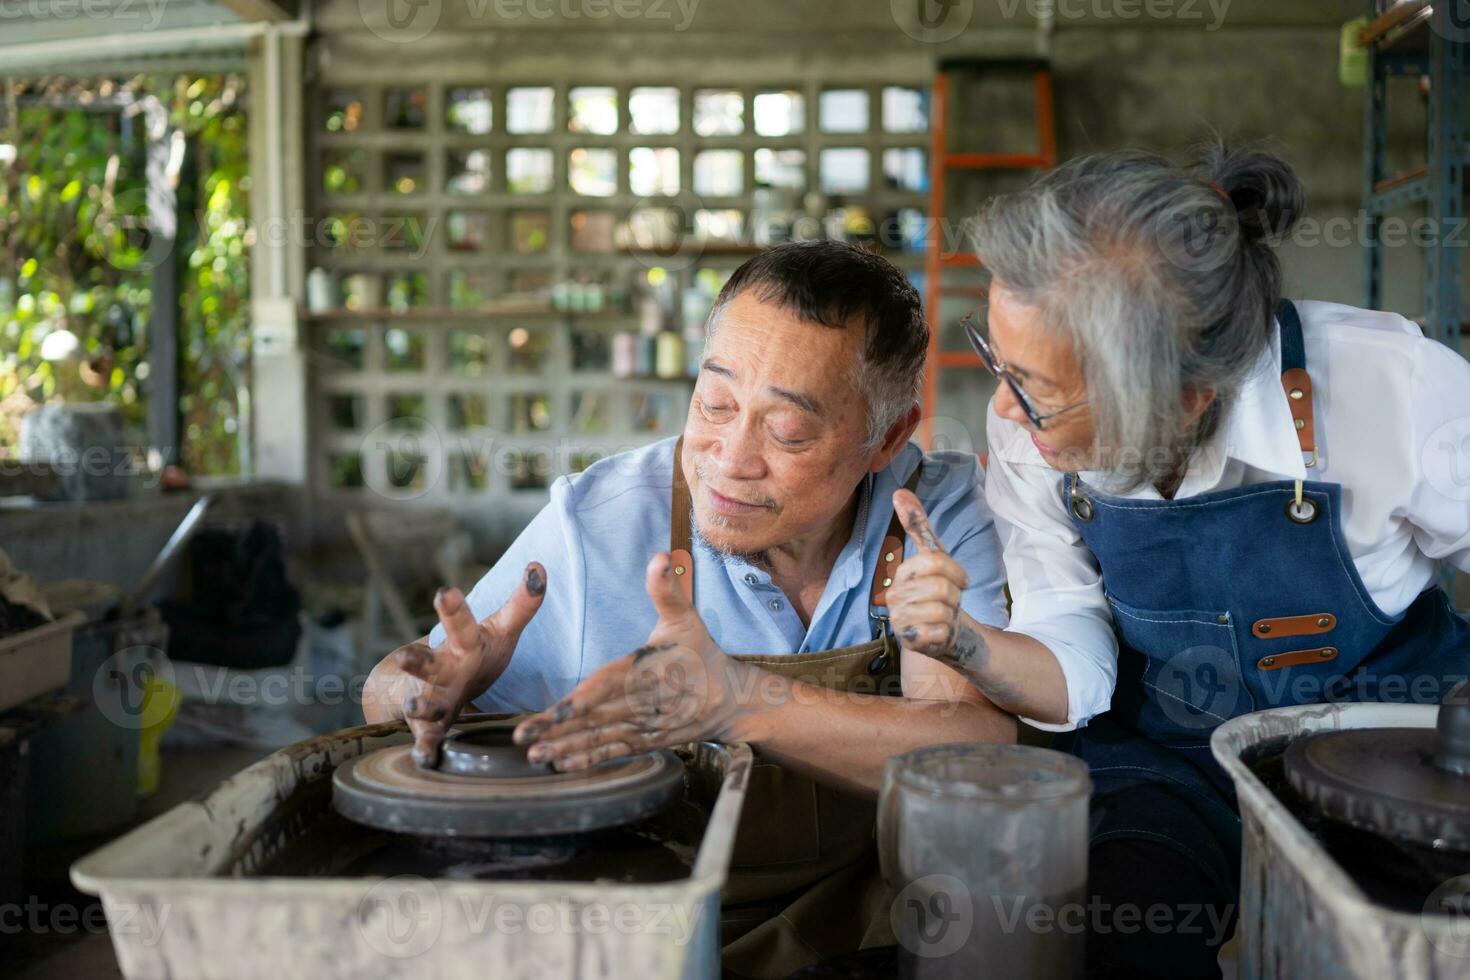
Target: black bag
(242, 611)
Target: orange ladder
(941, 161)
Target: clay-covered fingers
(931, 564)
(506, 623)
(931, 636)
(430, 665)
(628, 736)
(925, 588)
(461, 632)
(915, 521)
(592, 702)
(617, 747)
(924, 599)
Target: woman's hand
(924, 599)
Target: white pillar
(279, 418)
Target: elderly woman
(1213, 501)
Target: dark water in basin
(1398, 876)
(325, 844)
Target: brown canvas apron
(804, 882)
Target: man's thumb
(512, 617)
(666, 587)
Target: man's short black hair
(834, 283)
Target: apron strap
(1295, 380)
(681, 535)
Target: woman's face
(1045, 367)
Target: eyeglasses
(974, 324)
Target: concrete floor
(76, 944)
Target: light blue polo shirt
(602, 525)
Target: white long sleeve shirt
(1392, 412)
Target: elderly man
(770, 524)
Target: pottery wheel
(484, 787)
(1383, 780)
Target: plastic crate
(37, 660)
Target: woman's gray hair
(1162, 278)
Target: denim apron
(1232, 602)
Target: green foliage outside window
(76, 255)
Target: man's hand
(924, 599)
(675, 688)
(443, 679)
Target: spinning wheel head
(485, 787)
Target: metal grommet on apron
(1081, 505)
(1301, 509)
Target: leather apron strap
(1295, 380)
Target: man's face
(773, 441)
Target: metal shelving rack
(1409, 38)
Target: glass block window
(719, 173)
(489, 240)
(779, 113)
(467, 231)
(344, 171)
(906, 169)
(529, 110)
(593, 171)
(468, 110)
(719, 112)
(405, 108)
(468, 289)
(343, 110)
(780, 168)
(844, 111)
(403, 349)
(844, 170)
(530, 232)
(594, 110)
(653, 171)
(653, 111)
(905, 110)
(469, 353)
(467, 172)
(528, 170)
(403, 173)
